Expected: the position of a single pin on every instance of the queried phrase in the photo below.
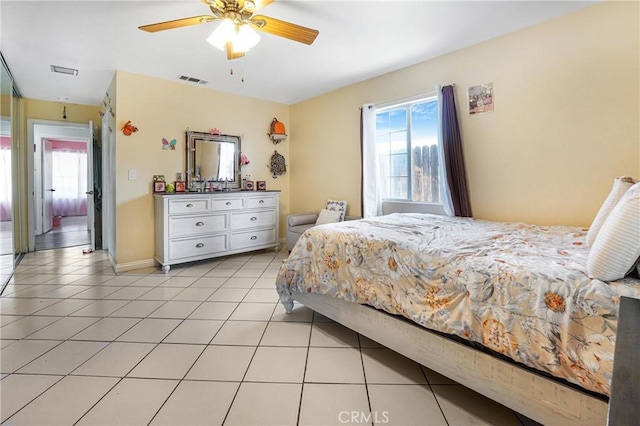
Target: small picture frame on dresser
(180, 186)
(249, 185)
(261, 185)
(159, 186)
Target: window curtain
(70, 182)
(5, 179)
(371, 200)
(453, 159)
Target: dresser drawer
(198, 246)
(193, 205)
(256, 238)
(221, 204)
(253, 219)
(266, 201)
(184, 226)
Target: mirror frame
(193, 138)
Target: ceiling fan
(238, 15)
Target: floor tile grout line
(34, 398)
(304, 373)
(189, 369)
(246, 371)
(364, 374)
(98, 401)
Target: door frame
(36, 130)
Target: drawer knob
(254, 237)
(199, 245)
(199, 223)
(253, 219)
(228, 203)
(261, 201)
(189, 205)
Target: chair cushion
(301, 219)
(299, 229)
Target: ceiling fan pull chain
(231, 71)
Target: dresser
(197, 226)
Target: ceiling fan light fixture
(242, 37)
(225, 32)
(245, 39)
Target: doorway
(64, 204)
(62, 207)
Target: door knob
(89, 192)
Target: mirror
(6, 210)
(213, 161)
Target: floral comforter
(520, 290)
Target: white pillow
(339, 206)
(620, 186)
(616, 248)
(328, 216)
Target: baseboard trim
(130, 266)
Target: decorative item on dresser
(190, 227)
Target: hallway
(71, 232)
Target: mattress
(517, 289)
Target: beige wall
(565, 120)
(45, 110)
(164, 109)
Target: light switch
(133, 174)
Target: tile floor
(206, 344)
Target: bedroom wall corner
(165, 109)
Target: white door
(47, 186)
(90, 206)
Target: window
(407, 152)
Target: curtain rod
(408, 98)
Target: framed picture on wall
(159, 186)
(481, 98)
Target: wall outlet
(179, 176)
(133, 174)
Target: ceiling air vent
(192, 79)
(64, 70)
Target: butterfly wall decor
(169, 145)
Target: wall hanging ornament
(244, 160)
(169, 145)
(278, 132)
(277, 165)
(129, 128)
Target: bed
(506, 309)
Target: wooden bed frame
(536, 396)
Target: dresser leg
(165, 268)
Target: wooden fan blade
(261, 4)
(169, 25)
(230, 52)
(284, 29)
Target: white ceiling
(358, 40)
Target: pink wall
(5, 142)
(62, 145)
